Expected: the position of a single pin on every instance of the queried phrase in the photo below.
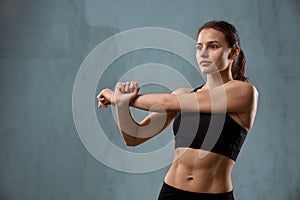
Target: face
(212, 51)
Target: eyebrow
(210, 42)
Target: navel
(190, 178)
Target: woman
(199, 171)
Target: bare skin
(192, 170)
(209, 174)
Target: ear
(235, 51)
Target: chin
(207, 71)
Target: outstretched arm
(232, 97)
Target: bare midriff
(201, 171)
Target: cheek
(226, 60)
(198, 56)
(217, 58)
(220, 61)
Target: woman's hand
(126, 92)
(105, 98)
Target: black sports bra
(217, 133)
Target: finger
(136, 86)
(119, 86)
(99, 95)
(102, 105)
(123, 87)
(132, 86)
(103, 100)
(127, 87)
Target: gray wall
(42, 45)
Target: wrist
(122, 103)
(132, 101)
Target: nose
(202, 53)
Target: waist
(196, 170)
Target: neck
(218, 79)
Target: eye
(213, 46)
(198, 47)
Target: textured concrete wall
(42, 45)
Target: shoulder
(243, 95)
(182, 91)
(241, 88)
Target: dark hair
(233, 39)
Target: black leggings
(171, 193)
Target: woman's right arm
(149, 127)
(135, 133)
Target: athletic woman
(223, 110)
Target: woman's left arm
(231, 97)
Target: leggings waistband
(179, 194)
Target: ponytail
(239, 67)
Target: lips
(205, 63)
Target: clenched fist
(125, 92)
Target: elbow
(134, 143)
(129, 140)
(131, 143)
